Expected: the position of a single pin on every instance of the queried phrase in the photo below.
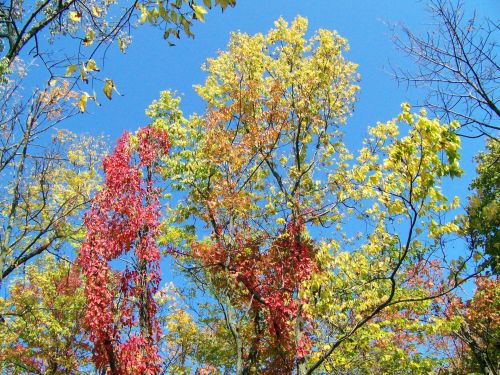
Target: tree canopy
(250, 238)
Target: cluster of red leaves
(270, 282)
(151, 141)
(484, 308)
(69, 284)
(124, 217)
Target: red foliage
(124, 217)
(271, 281)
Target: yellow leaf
(89, 37)
(70, 70)
(52, 82)
(75, 16)
(280, 221)
(108, 88)
(199, 12)
(82, 103)
(91, 65)
(96, 11)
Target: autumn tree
(477, 342)
(300, 255)
(123, 221)
(42, 329)
(457, 65)
(35, 210)
(310, 252)
(484, 205)
(48, 179)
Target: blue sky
(150, 65)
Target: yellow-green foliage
(41, 329)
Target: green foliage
(484, 205)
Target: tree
(37, 212)
(301, 256)
(457, 65)
(47, 187)
(265, 169)
(124, 217)
(94, 26)
(42, 330)
(473, 347)
(484, 205)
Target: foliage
(124, 216)
(484, 205)
(267, 172)
(473, 347)
(41, 329)
(300, 256)
(36, 215)
(48, 188)
(93, 25)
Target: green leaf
(173, 16)
(163, 13)
(70, 70)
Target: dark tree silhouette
(457, 64)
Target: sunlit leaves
(199, 12)
(484, 205)
(89, 37)
(91, 65)
(269, 150)
(82, 102)
(75, 16)
(70, 70)
(42, 325)
(109, 87)
(123, 217)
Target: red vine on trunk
(123, 220)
